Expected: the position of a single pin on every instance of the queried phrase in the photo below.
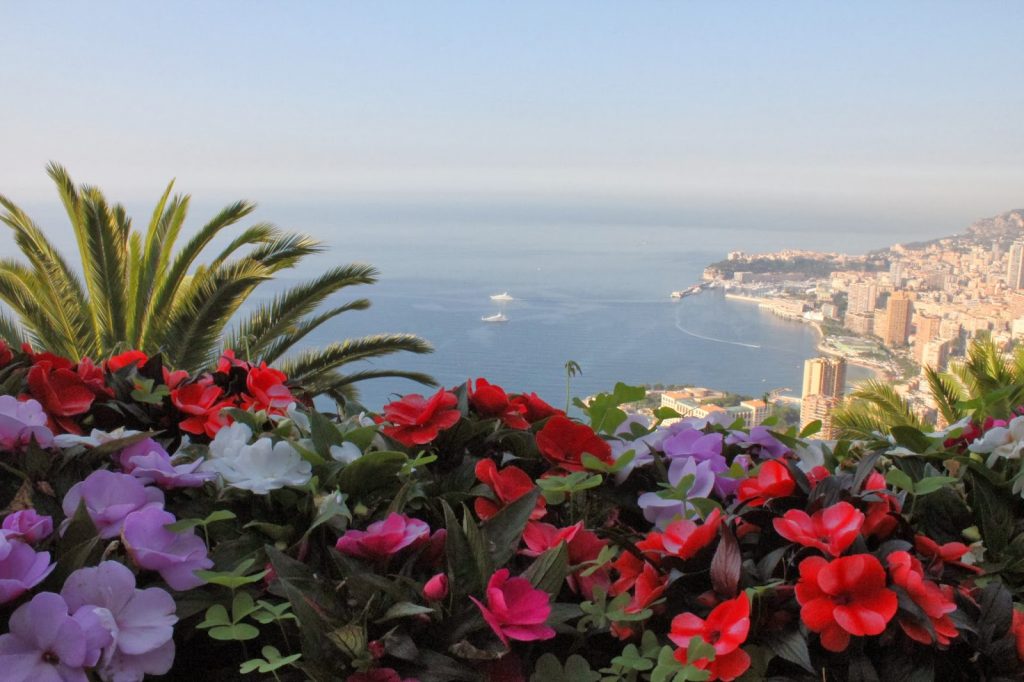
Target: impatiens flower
(661, 510)
(583, 546)
(201, 403)
(22, 422)
(416, 420)
(693, 443)
(62, 393)
(6, 356)
(21, 569)
(260, 467)
(935, 602)
(176, 556)
(45, 643)
(533, 408)
(141, 621)
(266, 390)
(149, 462)
(1017, 627)
(683, 538)
(844, 597)
(725, 629)
(758, 442)
(27, 525)
(832, 530)
(132, 357)
(490, 400)
(563, 442)
(1005, 442)
(346, 453)
(383, 539)
(772, 480)
(109, 497)
(940, 555)
(436, 588)
(515, 609)
(508, 485)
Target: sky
(905, 111)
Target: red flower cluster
(415, 420)
(683, 538)
(490, 400)
(6, 354)
(563, 442)
(935, 602)
(831, 530)
(583, 546)
(65, 390)
(773, 480)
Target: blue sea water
(595, 291)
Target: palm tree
(137, 290)
(984, 384)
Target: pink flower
(22, 569)
(27, 525)
(515, 609)
(436, 588)
(382, 539)
(176, 556)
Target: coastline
(879, 373)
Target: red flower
(383, 539)
(491, 401)
(940, 555)
(683, 538)
(5, 354)
(725, 629)
(831, 530)
(936, 603)
(817, 475)
(436, 588)
(844, 597)
(266, 390)
(880, 521)
(563, 443)
(132, 357)
(534, 409)
(228, 360)
(515, 609)
(508, 485)
(417, 421)
(56, 361)
(773, 480)
(175, 378)
(62, 393)
(92, 376)
(1017, 627)
(648, 587)
(202, 402)
(583, 546)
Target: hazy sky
(900, 109)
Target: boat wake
(713, 339)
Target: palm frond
(287, 340)
(10, 330)
(946, 393)
(106, 231)
(312, 362)
(285, 251)
(18, 289)
(256, 234)
(280, 316)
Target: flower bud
(436, 588)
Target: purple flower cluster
(149, 462)
(22, 422)
(99, 620)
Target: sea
(591, 283)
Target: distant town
(895, 311)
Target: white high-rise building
(1015, 267)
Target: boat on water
(502, 297)
(497, 317)
(683, 293)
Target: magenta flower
(515, 609)
(436, 588)
(176, 556)
(22, 569)
(143, 620)
(382, 539)
(44, 643)
(21, 422)
(109, 497)
(27, 525)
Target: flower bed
(160, 523)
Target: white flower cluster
(258, 467)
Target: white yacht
(502, 297)
(497, 317)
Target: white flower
(260, 467)
(94, 439)
(300, 419)
(346, 453)
(811, 454)
(1001, 441)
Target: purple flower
(661, 511)
(21, 422)
(176, 556)
(142, 621)
(150, 463)
(696, 444)
(45, 643)
(27, 525)
(22, 569)
(759, 441)
(109, 497)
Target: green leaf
(403, 609)
(576, 668)
(324, 433)
(911, 438)
(933, 484)
(215, 615)
(462, 566)
(503, 531)
(373, 472)
(548, 571)
(790, 646)
(811, 429)
(80, 545)
(899, 479)
(241, 606)
(240, 632)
